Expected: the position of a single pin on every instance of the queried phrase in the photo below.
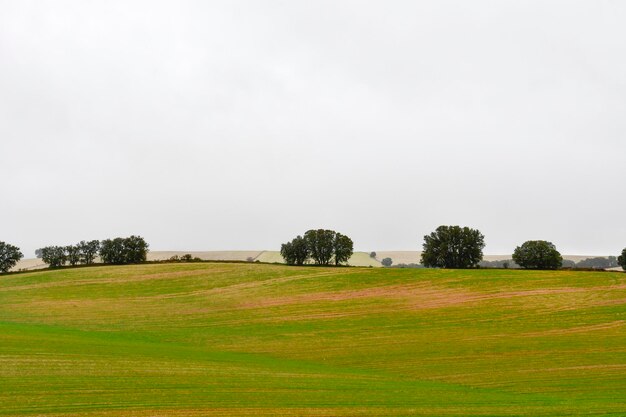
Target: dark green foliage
(130, 250)
(537, 254)
(88, 251)
(295, 252)
(453, 247)
(343, 248)
(55, 256)
(372, 254)
(621, 260)
(321, 244)
(112, 251)
(568, 263)
(9, 256)
(387, 262)
(72, 254)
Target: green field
(254, 339)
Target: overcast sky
(240, 124)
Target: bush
(387, 262)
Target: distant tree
(537, 254)
(621, 260)
(568, 263)
(135, 250)
(598, 263)
(343, 248)
(249, 259)
(372, 254)
(54, 256)
(453, 247)
(387, 262)
(505, 265)
(88, 251)
(296, 252)
(38, 253)
(112, 251)
(186, 257)
(72, 253)
(9, 256)
(321, 245)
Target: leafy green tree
(537, 254)
(321, 245)
(135, 250)
(343, 248)
(372, 254)
(112, 251)
(88, 251)
(387, 262)
(621, 260)
(453, 247)
(72, 253)
(296, 252)
(9, 256)
(54, 256)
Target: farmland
(253, 339)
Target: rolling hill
(215, 339)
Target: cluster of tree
(119, 251)
(453, 247)
(82, 253)
(322, 246)
(10, 255)
(387, 262)
(130, 250)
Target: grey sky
(239, 124)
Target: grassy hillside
(246, 339)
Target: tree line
(119, 251)
(446, 247)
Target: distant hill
(357, 259)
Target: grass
(248, 339)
